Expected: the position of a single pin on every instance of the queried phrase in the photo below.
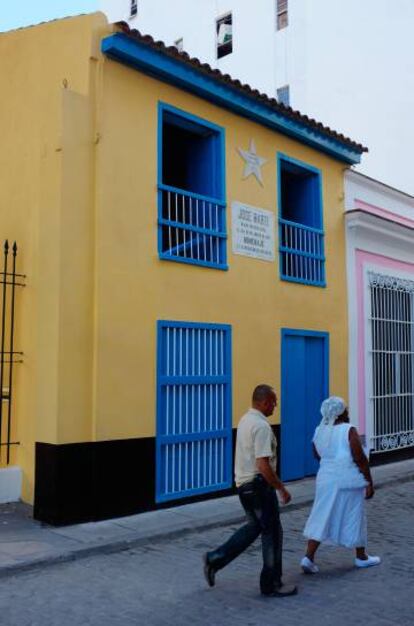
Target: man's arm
(272, 478)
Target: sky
(18, 13)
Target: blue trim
(158, 409)
(303, 226)
(296, 332)
(185, 438)
(195, 119)
(190, 194)
(304, 332)
(193, 229)
(219, 131)
(312, 333)
(192, 380)
(124, 49)
(218, 172)
(322, 334)
(302, 165)
(159, 173)
(229, 409)
(281, 157)
(302, 281)
(176, 259)
(225, 433)
(298, 163)
(306, 255)
(193, 492)
(203, 325)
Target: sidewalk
(25, 543)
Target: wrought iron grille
(10, 280)
(392, 331)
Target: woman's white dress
(338, 512)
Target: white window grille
(281, 14)
(224, 34)
(392, 334)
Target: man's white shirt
(255, 440)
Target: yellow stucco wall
(135, 288)
(47, 116)
(79, 193)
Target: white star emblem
(253, 163)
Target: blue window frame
(194, 424)
(301, 234)
(191, 189)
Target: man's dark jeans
(260, 503)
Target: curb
(128, 544)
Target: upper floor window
(283, 95)
(191, 205)
(301, 235)
(281, 14)
(179, 44)
(133, 9)
(224, 34)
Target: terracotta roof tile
(235, 83)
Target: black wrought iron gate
(10, 281)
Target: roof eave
(128, 51)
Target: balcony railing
(192, 228)
(302, 256)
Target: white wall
(392, 242)
(195, 21)
(10, 484)
(360, 80)
(349, 64)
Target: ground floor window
(194, 425)
(392, 343)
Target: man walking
(257, 483)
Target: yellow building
(183, 241)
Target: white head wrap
(331, 408)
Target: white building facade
(349, 65)
(380, 268)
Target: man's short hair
(262, 392)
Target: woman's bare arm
(315, 453)
(360, 459)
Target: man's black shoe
(209, 571)
(282, 592)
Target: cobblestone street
(162, 583)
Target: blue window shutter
(301, 234)
(194, 423)
(191, 190)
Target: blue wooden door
(305, 383)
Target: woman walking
(342, 483)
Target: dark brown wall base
(382, 458)
(83, 482)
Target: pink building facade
(379, 222)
